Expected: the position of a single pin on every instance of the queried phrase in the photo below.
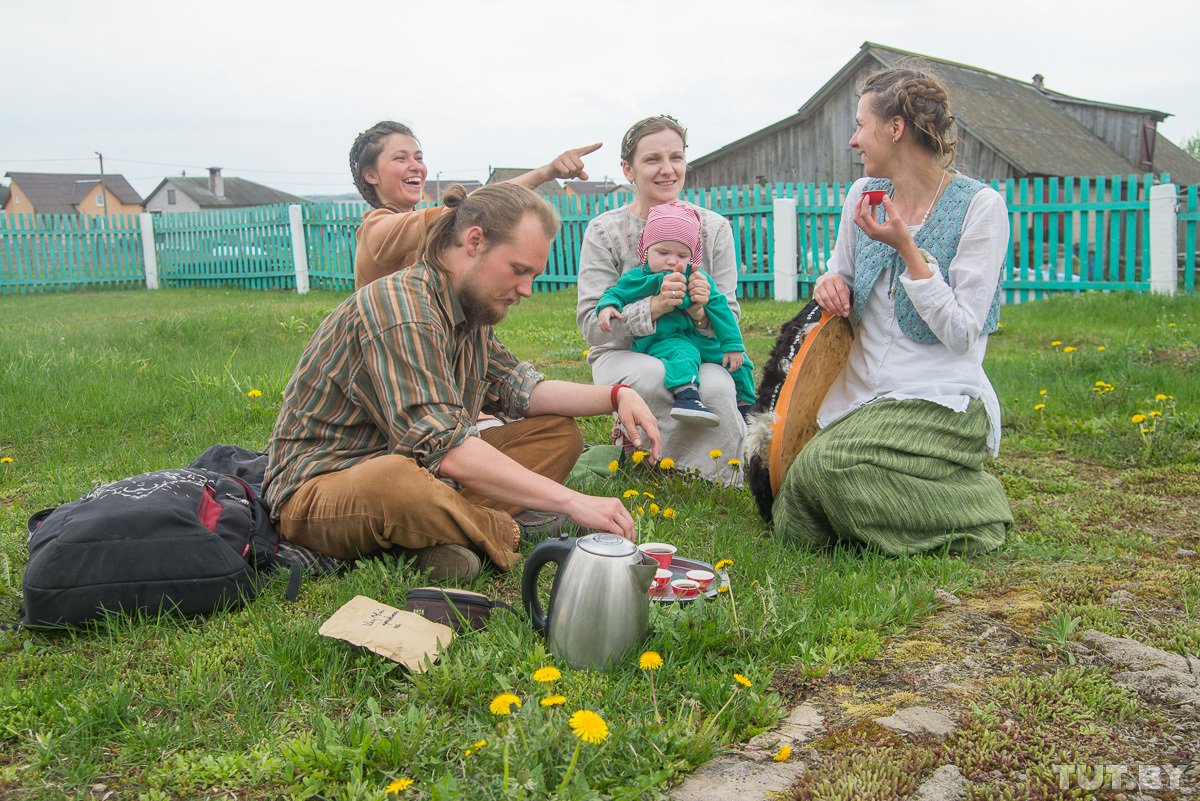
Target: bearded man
(376, 445)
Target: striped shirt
(394, 369)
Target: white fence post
(1164, 247)
(148, 252)
(299, 251)
(784, 266)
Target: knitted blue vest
(939, 235)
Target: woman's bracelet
(613, 397)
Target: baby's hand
(733, 361)
(607, 315)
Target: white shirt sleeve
(956, 311)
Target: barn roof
(1169, 157)
(1021, 122)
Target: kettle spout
(643, 574)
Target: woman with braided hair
(907, 425)
(389, 171)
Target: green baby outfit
(675, 341)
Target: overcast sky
(277, 91)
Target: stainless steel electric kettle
(599, 608)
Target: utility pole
(103, 191)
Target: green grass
(254, 703)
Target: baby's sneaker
(689, 409)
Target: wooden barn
(1007, 129)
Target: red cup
(661, 577)
(701, 577)
(875, 196)
(685, 588)
(660, 552)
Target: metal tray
(679, 568)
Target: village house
(70, 193)
(499, 174)
(432, 194)
(1007, 129)
(591, 188)
(179, 194)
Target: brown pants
(391, 501)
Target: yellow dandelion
(480, 744)
(723, 588)
(468, 752)
(254, 393)
(1138, 418)
(1041, 392)
(667, 463)
(548, 673)
(742, 680)
(1101, 347)
(649, 495)
(1147, 431)
(783, 754)
(714, 454)
(629, 494)
(1056, 343)
(1069, 349)
(553, 700)
(1170, 325)
(654, 510)
(1156, 413)
(722, 564)
(1099, 384)
(639, 456)
(650, 660)
(1160, 397)
(6, 460)
(613, 466)
(1037, 407)
(669, 513)
(734, 462)
(586, 351)
(503, 703)
(399, 785)
(589, 727)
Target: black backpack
(186, 540)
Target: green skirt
(904, 476)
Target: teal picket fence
(1066, 234)
(329, 243)
(55, 252)
(1076, 234)
(1189, 220)
(249, 248)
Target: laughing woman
(907, 425)
(389, 171)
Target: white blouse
(884, 362)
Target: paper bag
(400, 636)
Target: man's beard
(478, 311)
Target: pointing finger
(583, 151)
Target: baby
(671, 242)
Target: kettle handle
(556, 551)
